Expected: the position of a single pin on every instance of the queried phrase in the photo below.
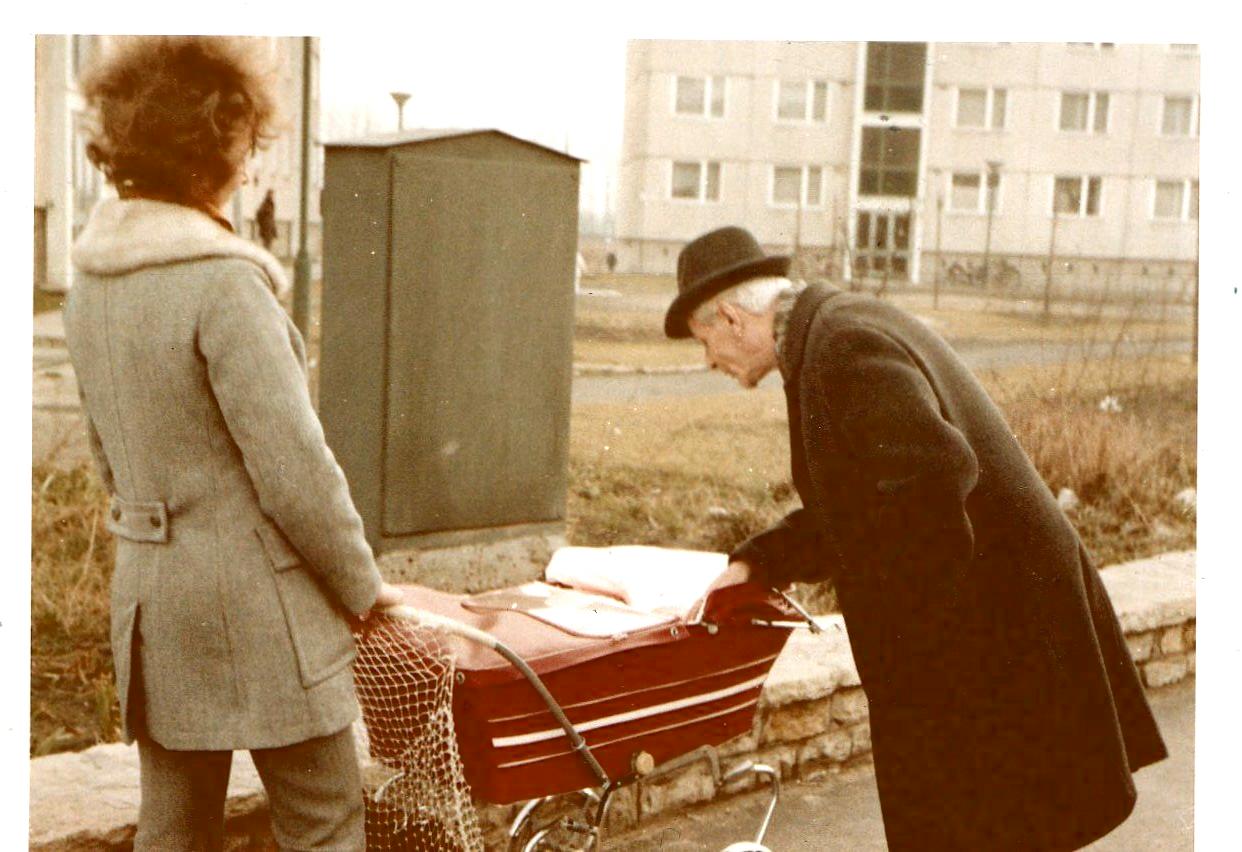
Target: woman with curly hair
(240, 557)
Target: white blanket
(650, 579)
(572, 610)
(612, 591)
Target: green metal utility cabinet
(447, 331)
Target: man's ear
(730, 313)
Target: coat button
(155, 521)
(116, 513)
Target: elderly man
(1006, 712)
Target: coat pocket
(321, 637)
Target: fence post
(1052, 259)
(939, 257)
(1194, 340)
(992, 182)
(797, 240)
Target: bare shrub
(72, 694)
(1125, 466)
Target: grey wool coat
(1006, 712)
(239, 551)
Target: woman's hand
(389, 595)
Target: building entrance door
(40, 246)
(882, 245)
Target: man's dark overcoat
(1006, 712)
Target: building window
(802, 100)
(982, 108)
(1184, 48)
(704, 96)
(1180, 117)
(1076, 196)
(798, 186)
(1176, 200)
(895, 73)
(696, 181)
(890, 161)
(1094, 45)
(966, 194)
(1084, 112)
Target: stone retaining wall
(812, 720)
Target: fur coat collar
(124, 235)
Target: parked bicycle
(1003, 275)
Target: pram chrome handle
(473, 634)
(806, 616)
(430, 619)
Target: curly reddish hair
(177, 116)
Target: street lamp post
(400, 98)
(1052, 260)
(302, 263)
(992, 182)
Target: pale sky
(545, 87)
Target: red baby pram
(540, 709)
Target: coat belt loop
(138, 520)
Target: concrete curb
(812, 720)
(580, 370)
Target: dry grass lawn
(709, 472)
(1007, 326)
(638, 353)
(704, 473)
(628, 329)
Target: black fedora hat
(712, 263)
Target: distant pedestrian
(265, 218)
(612, 261)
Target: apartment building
(67, 185)
(909, 160)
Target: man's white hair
(754, 296)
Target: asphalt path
(631, 387)
(844, 814)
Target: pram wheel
(549, 824)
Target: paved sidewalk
(49, 328)
(843, 813)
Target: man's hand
(737, 572)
